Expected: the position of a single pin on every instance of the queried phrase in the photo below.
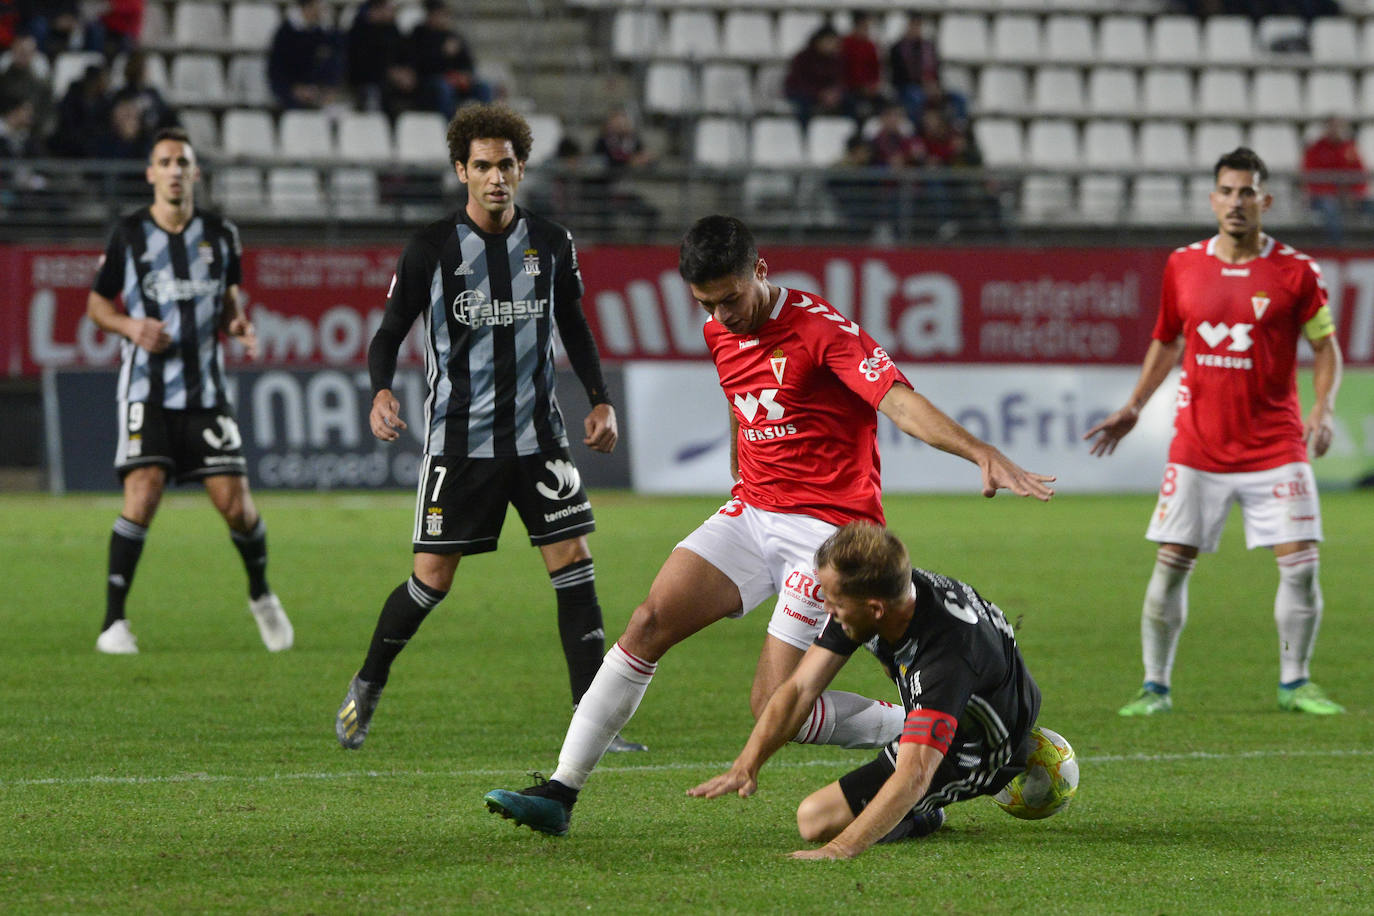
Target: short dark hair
(1243, 159)
(488, 122)
(716, 246)
(170, 133)
(870, 561)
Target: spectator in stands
(153, 111)
(23, 79)
(86, 103)
(1255, 9)
(122, 25)
(815, 76)
(124, 136)
(914, 62)
(58, 26)
(895, 144)
(380, 72)
(857, 191)
(305, 63)
(1334, 174)
(863, 70)
(621, 153)
(444, 63)
(16, 128)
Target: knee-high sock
(851, 720)
(579, 624)
(405, 609)
(252, 547)
(1164, 614)
(607, 705)
(126, 545)
(1298, 612)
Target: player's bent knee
(823, 814)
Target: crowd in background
(112, 110)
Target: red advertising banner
(319, 307)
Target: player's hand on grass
(1320, 429)
(385, 418)
(1112, 430)
(241, 329)
(1001, 473)
(602, 434)
(737, 781)
(149, 334)
(828, 851)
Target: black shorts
(460, 503)
(952, 781)
(190, 444)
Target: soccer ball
(1050, 780)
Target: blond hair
(869, 560)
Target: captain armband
(1321, 325)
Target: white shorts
(765, 554)
(1279, 506)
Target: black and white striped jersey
(956, 662)
(489, 304)
(179, 278)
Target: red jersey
(805, 388)
(1238, 398)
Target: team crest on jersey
(434, 521)
(1161, 511)
(1260, 302)
(779, 362)
(531, 262)
(205, 252)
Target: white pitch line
(650, 768)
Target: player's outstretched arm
(915, 767)
(790, 704)
(1159, 360)
(917, 417)
(602, 432)
(1326, 380)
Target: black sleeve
(832, 637)
(574, 330)
(233, 266)
(109, 276)
(408, 296)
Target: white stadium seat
(1176, 39)
(248, 132)
(1334, 41)
(720, 142)
(1109, 144)
(1164, 145)
(197, 79)
(776, 141)
(1158, 199)
(295, 192)
(197, 24)
(1277, 93)
(1277, 144)
(749, 35)
(1223, 92)
(726, 89)
(547, 130)
(635, 34)
(1052, 143)
(1016, 37)
(1102, 198)
(963, 37)
(365, 136)
(305, 134)
(1228, 40)
(1000, 141)
(795, 27)
(247, 80)
(670, 88)
(1329, 92)
(1002, 90)
(1114, 91)
(1123, 39)
(239, 190)
(1212, 140)
(1069, 39)
(69, 67)
(693, 34)
(252, 24)
(1057, 90)
(1167, 91)
(826, 138)
(421, 138)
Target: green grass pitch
(203, 774)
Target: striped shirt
(489, 303)
(963, 683)
(180, 279)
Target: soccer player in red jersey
(804, 384)
(1234, 306)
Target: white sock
(851, 720)
(603, 711)
(1164, 614)
(1298, 612)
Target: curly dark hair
(487, 122)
